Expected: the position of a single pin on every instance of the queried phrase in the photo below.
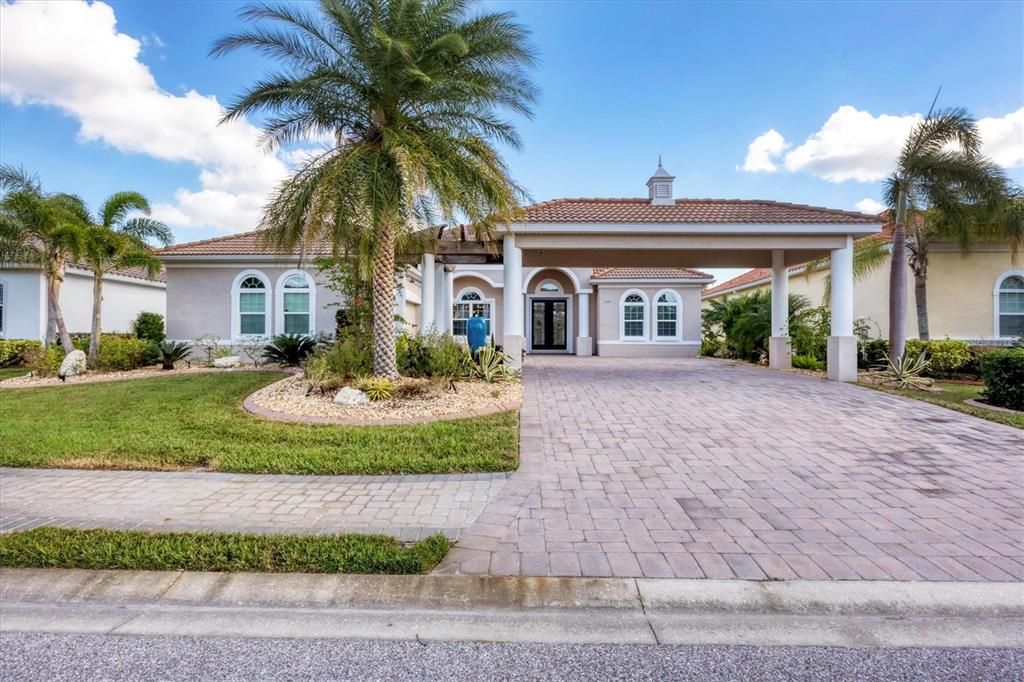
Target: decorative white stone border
(131, 375)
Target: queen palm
(42, 229)
(939, 168)
(411, 94)
(118, 239)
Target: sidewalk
(514, 609)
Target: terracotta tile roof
(764, 274)
(648, 273)
(242, 244)
(750, 211)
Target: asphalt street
(54, 657)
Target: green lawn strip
(953, 397)
(9, 372)
(48, 547)
(197, 421)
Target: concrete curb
(463, 608)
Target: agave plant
(907, 371)
(377, 388)
(489, 364)
(169, 352)
(289, 349)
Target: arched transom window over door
(296, 310)
(252, 306)
(634, 317)
(1010, 306)
(666, 317)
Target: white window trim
(622, 317)
(483, 299)
(995, 301)
(236, 316)
(678, 305)
(540, 287)
(279, 307)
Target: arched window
(296, 293)
(666, 316)
(549, 286)
(1010, 305)
(633, 317)
(470, 303)
(252, 306)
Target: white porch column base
(584, 342)
(842, 358)
(427, 280)
(584, 345)
(780, 352)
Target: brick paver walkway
(694, 468)
(409, 507)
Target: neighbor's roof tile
(243, 244)
(648, 273)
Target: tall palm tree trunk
(385, 362)
(921, 299)
(97, 309)
(898, 280)
(53, 284)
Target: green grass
(8, 372)
(184, 422)
(140, 550)
(953, 397)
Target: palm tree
(939, 167)
(116, 240)
(43, 229)
(410, 92)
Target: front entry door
(548, 319)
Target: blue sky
(837, 83)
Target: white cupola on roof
(659, 187)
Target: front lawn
(146, 551)
(8, 372)
(174, 423)
(953, 397)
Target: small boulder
(227, 361)
(73, 364)
(350, 396)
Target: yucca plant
(289, 349)
(907, 371)
(169, 352)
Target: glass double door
(548, 321)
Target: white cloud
(870, 206)
(857, 145)
(69, 55)
(762, 152)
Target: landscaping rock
(228, 361)
(350, 396)
(73, 365)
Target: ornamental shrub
(447, 357)
(1003, 372)
(872, 353)
(807, 362)
(18, 351)
(149, 327)
(351, 356)
(118, 354)
(947, 358)
(289, 349)
(46, 361)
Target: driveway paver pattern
(704, 468)
(409, 507)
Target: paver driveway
(693, 468)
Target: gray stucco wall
(608, 342)
(199, 299)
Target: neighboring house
(126, 293)
(977, 296)
(612, 277)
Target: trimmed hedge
(18, 351)
(947, 358)
(1003, 372)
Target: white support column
(584, 341)
(842, 345)
(427, 278)
(512, 296)
(440, 319)
(445, 312)
(779, 347)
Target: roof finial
(659, 160)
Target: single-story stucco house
(24, 312)
(611, 277)
(976, 295)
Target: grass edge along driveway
(196, 421)
(952, 397)
(48, 547)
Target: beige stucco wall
(199, 299)
(960, 293)
(607, 323)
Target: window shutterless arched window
(634, 316)
(666, 315)
(252, 306)
(469, 304)
(1010, 306)
(295, 306)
